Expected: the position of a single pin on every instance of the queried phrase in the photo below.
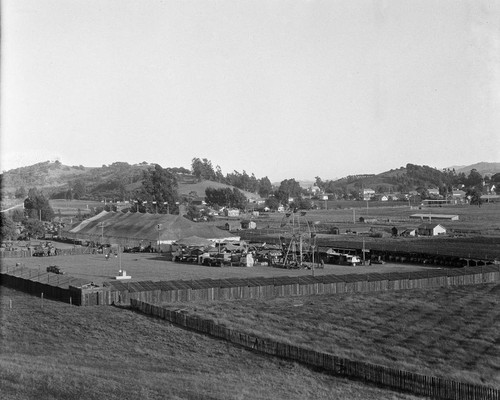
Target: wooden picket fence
(423, 385)
(74, 251)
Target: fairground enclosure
(475, 235)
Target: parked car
(55, 270)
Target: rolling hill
(484, 168)
(117, 180)
(121, 180)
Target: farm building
(368, 194)
(490, 198)
(232, 226)
(125, 228)
(430, 217)
(228, 212)
(433, 193)
(431, 230)
(409, 232)
(248, 224)
(458, 195)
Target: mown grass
(450, 332)
(67, 352)
(98, 269)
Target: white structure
(123, 275)
(430, 217)
(368, 194)
(433, 192)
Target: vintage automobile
(55, 270)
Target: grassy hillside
(118, 180)
(450, 332)
(200, 187)
(42, 175)
(67, 352)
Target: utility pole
(102, 232)
(159, 227)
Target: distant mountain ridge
(484, 168)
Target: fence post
(42, 299)
(10, 304)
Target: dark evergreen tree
(159, 185)
(8, 227)
(37, 206)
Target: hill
(116, 181)
(200, 187)
(484, 168)
(403, 179)
(121, 180)
(55, 179)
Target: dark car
(55, 270)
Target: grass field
(449, 332)
(155, 267)
(67, 352)
(484, 219)
(69, 208)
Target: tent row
(157, 228)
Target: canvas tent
(194, 241)
(129, 228)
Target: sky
(278, 88)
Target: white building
(368, 194)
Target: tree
(291, 187)
(37, 206)
(238, 199)
(225, 197)
(474, 179)
(193, 213)
(265, 187)
(319, 183)
(34, 228)
(159, 185)
(219, 177)
(18, 215)
(302, 204)
(217, 197)
(203, 169)
(495, 178)
(273, 203)
(474, 196)
(8, 227)
(78, 188)
(20, 193)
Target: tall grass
(65, 352)
(452, 332)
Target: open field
(155, 267)
(69, 208)
(66, 352)
(484, 219)
(450, 332)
